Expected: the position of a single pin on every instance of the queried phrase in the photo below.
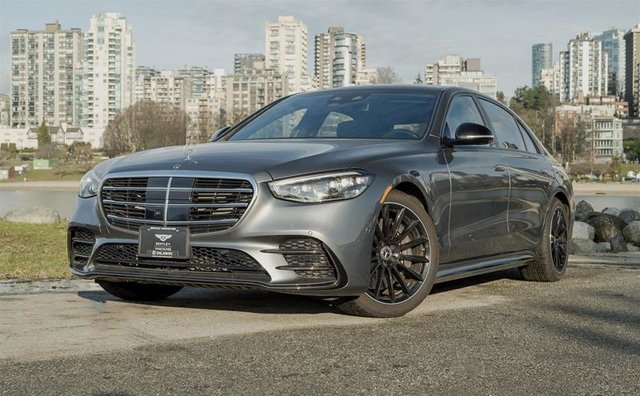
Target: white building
(5, 105)
(207, 112)
(605, 135)
(455, 71)
(27, 137)
(246, 61)
(551, 78)
(161, 86)
(198, 76)
(252, 90)
(44, 65)
(109, 69)
(367, 77)
(286, 51)
(584, 66)
(339, 57)
(603, 127)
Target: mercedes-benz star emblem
(188, 150)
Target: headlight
(321, 188)
(89, 185)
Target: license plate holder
(164, 242)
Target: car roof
(432, 89)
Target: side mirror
(470, 133)
(219, 133)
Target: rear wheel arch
(562, 197)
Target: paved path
(491, 335)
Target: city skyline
(172, 35)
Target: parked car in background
(363, 195)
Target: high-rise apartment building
(252, 90)
(541, 58)
(198, 76)
(44, 82)
(632, 70)
(244, 62)
(286, 51)
(109, 69)
(5, 105)
(585, 66)
(550, 78)
(455, 71)
(161, 86)
(613, 45)
(339, 57)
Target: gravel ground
(493, 335)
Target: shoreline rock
(33, 215)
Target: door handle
(499, 168)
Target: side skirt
(478, 267)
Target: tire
(552, 258)
(404, 255)
(132, 291)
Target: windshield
(348, 115)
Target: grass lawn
(33, 251)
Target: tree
(632, 150)
(143, 126)
(80, 152)
(236, 116)
(386, 75)
(501, 98)
(572, 141)
(207, 123)
(44, 137)
(537, 107)
(418, 79)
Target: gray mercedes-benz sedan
(363, 195)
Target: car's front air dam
(345, 227)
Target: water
(64, 201)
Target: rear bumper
(340, 233)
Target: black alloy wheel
(404, 260)
(558, 240)
(400, 258)
(552, 256)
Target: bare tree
(236, 116)
(207, 123)
(143, 126)
(386, 75)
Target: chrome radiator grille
(202, 204)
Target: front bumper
(340, 231)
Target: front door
(479, 190)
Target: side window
(528, 140)
(504, 126)
(462, 109)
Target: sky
(403, 34)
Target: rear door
(479, 189)
(530, 176)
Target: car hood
(279, 158)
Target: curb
(619, 259)
(13, 286)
